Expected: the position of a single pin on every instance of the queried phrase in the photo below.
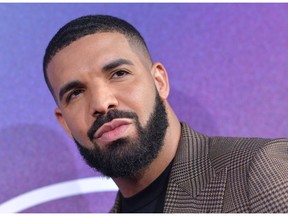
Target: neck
(131, 186)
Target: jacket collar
(192, 165)
(193, 177)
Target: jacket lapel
(194, 185)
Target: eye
(119, 74)
(73, 94)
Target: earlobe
(160, 76)
(62, 121)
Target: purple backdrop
(227, 66)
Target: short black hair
(87, 25)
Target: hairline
(134, 42)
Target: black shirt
(149, 200)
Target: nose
(102, 100)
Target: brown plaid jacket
(225, 174)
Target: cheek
(78, 126)
(140, 99)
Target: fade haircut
(87, 25)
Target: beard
(127, 156)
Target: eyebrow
(108, 67)
(68, 87)
(116, 63)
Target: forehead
(90, 53)
(97, 46)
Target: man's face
(106, 93)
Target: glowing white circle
(57, 191)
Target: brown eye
(73, 94)
(119, 74)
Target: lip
(112, 125)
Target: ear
(62, 121)
(160, 77)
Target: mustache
(102, 119)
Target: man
(112, 100)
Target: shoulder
(238, 150)
(224, 150)
(256, 169)
(233, 149)
(259, 165)
(268, 178)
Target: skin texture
(104, 71)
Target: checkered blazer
(225, 174)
